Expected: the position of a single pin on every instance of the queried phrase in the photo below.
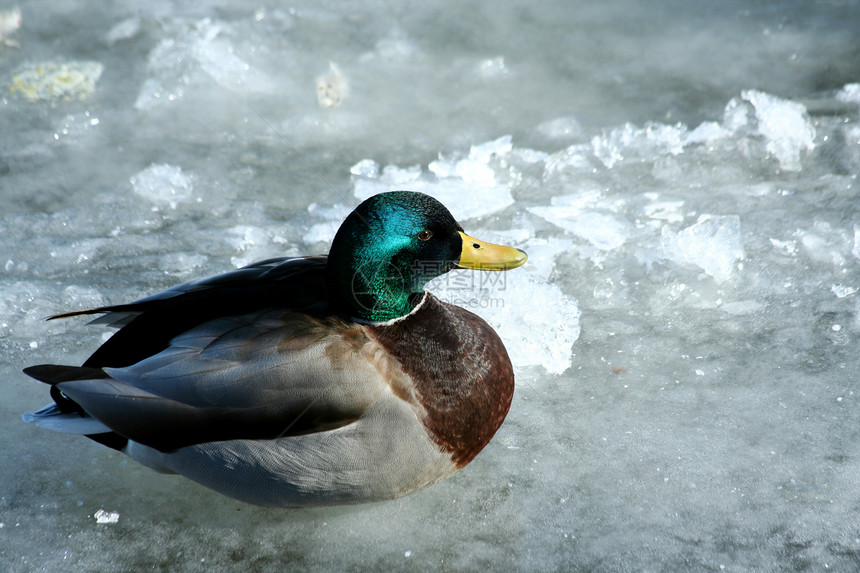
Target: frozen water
(332, 87)
(849, 93)
(10, 22)
(712, 243)
(102, 516)
(785, 125)
(645, 144)
(128, 28)
(332, 216)
(465, 183)
(683, 176)
(606, 231)
(163, 185)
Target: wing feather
(256, 376)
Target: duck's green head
(392, 244)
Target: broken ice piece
(332, 88)
(103, 516)
(163, 184)
(713, 243)
(125, 30)
(10, 22)
(785, 125)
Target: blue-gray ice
(683, 176)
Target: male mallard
(303, 381)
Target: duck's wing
(259, 375)
(148, 325)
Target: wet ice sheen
(684, 333)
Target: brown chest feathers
(461, 371)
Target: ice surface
(195, 50)
(163, 185)
(332, 87)
(712, 243)
(849, 93)
(124, 30)
(475, 185)
(332, 217)
(10, 22)
(785, 125)
(606, 231)
(645, 144)
(684, 334)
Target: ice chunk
(475, 168)
(243, 237)
(645, 144)
(653, 141)
(712, 243)
(736, 115)
(850, 93)
(535, 337)
(102, 516)
(177, 61)
(254, 243)
(570, 205)
(217, 56)
(826, 244)
(536, 320)
(333, 217)
(785, 125)
(578, 157)
(366, 168)
(574, 213)
(706, 132)
(54, 81)
(10, 22)
(603, 230)
(469, 186)
(332, 87)
(163, 185)
(128, 28)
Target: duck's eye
(425, 235)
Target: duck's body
(265, 385)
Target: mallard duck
(303, 381)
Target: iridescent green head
(391, 245)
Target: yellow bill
(485, 256)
